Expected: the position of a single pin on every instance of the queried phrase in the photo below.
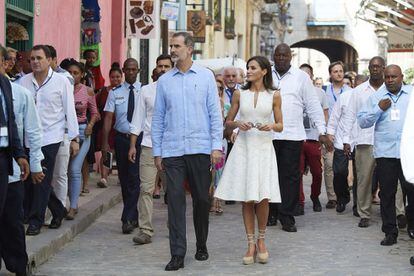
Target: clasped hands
(249, 125)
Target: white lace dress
(250, 173)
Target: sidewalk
(91, 206)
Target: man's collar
(194, 68)
(136, 84)
(49, 75)
(287, 72)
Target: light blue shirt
(332, 95)
(187, 114)
(387, 135)
(117, 103)
(4, 140)
(29, 127)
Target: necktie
(3, 121)
(131, 102)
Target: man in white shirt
(311, 151)
(56, 108)
(336, 130)
(332, 90)
(60, 173)
(407, 145)
(141, 121)
(298, 95)
(364, 158)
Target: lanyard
(333, 93)
(229, 94)
(395, 102)
(279, 78)
(48, 79)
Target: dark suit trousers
(195, 168)
(4, 179)
(128, 174)
(12, 237)
(43, 195)
(288, 161)
(340, 180)
(389, 172)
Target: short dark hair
(52, 50)
(305, 65)
(267, 79)
(87, 51)
(164, 56)
(334, 64)
(188, 38)
(44, 48)
(3, 52)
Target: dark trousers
(4, 179)
(12, 237)
(128, 174)
(288, 162)
(311, 156)
(195, 168)
(340, 180)
(389, 172)
(43, 195)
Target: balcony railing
(26, 5)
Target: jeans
(75, 168)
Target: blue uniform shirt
(29, 127)
(187, 114)
(117, 103)
(4, 139)
(388, 130)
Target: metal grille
(26, 5)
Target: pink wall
(58, 24)
(2, 21)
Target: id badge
(395, 114)
(4, 132)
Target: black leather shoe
(271, 221)
(317, 207)
(230, 202)
(299, 210)
(127, 227)
(402, 221)
(410, 233)
(32, 230)
(340, 207)
(134, 223)
(331, 204)
(389, 240)
(289, 228)
(176, 263)
(201, 254)
(355, 212)
(55, 223)
(412, 260)
(363, 223)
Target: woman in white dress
(250, 174)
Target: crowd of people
(223, 137)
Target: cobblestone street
(325, 244)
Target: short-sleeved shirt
(117, 103)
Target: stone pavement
(326, 244)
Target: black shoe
(363, 223)
(201, 254)
(410, 233)
(317, 207)
(299, 210)
(229, 202)
(331, 204)
(156, 196)
(340, 207)
(55, 223)
(32, 230)
(355, 212)
(176, 263)
(389, 240)
(127, 227)
(271, 221)
(134, 223)
(412, 260)
(289, 228)
(402, 221)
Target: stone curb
(45, 245)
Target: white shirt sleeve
(313, 106)
(139, 116)
(334, 118)
(407, 143)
